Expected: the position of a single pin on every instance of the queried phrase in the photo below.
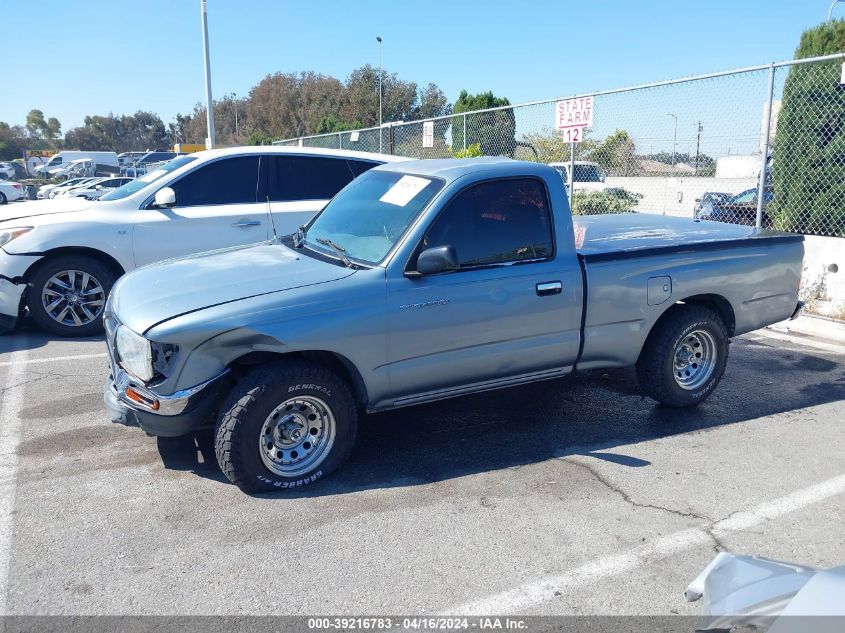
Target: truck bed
(626, 235)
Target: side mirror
(165, 197)
(98, 187)
(438, 259)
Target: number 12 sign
(572, 116)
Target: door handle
(549, 288)
(245, 223)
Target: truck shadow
(28, 336)
(575, 416)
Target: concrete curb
(812, 331)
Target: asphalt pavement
(570, 497)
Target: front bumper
(12, 286)
(177, 414)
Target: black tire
(3, 198)
(251, 403)
(657, 372)
(98, 270)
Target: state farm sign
(572, 116)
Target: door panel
(165, 233)
(216, 207)
(453, 329)
(513, 308)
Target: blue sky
(70, 59)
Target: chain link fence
(704, 147)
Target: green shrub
(808, 168)
(472, 151)
(603, 202)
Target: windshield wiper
(339, 251)
(299, 237)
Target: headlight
(7, 235)
(134, 352)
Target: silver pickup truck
(424, 280)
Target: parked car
(588, 176)
(750, 593)
(704, 204)
(420, 281)
(7, 171)
(9, 192)
(138, 167)
(45, 190)
(59, 190)
(97, 189)
(742, 208)
(103, 161)
(60, 257)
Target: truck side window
(225, 181)
(496, 222)
(305, 177)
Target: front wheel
(3, 199)
(684, 357)
(68, 294)
(285, 425)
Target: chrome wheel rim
(297, 436)
(73, 298)
(694, 359)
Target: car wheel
(67, 295)
(3, 199)
(684, 357)
(285, 425)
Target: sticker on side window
(405, 189)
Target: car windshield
(370, 214)
(136, 185)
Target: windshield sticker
(405, 189)
(580, 234)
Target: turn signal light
(141, 399)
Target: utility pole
(697, 145)
(209, 103)
(378, 39)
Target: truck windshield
(587, 173)
(139, 183)
(370, 214)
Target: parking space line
(540, 591)
(55, 359)
(10, 428)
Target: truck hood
(34, 208)
(156, 293)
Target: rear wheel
(285, 425)
(684, 357)
(68, 294)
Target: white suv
(59, 258)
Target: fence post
(465, 130)
(571, 173)
(340, 140)
(761, 186)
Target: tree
(12, 141)
(495, 132)
(808, 167)
(616, 154)
(139, 131)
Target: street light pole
(830, 11)
(209, 103)
(378, 39)
(674, 138)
